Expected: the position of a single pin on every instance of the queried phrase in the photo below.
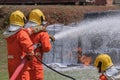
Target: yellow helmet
(103, 62)
(17, 18)
(36, 16)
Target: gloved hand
(52, 38)
(30, 55)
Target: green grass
(3, 75)
(3, 59)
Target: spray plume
(101, 25)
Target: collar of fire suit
(13, 28)
(111, 71)
(9, 32)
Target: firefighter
(34, 27)
(107, 69)
(19, 45)
(36, 17)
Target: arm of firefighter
(18, 70)
(25, 42)
(45, 42)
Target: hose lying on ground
(54, 69)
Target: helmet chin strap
(99, 66)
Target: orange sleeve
(45, 42)
(25, 42)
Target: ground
(54, 13)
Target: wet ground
(77, 72)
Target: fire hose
(18, 70)
(20, 67)
(54, 69)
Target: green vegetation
(3, 59)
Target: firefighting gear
(35, 29)
(37, 45)
(13, 28)
(37, 21)
(113, 73)
(103, 62)
(52, 38)
(9, 32)
(41, 41)
(18, 70)
(18, 45)
(17, 18)
(102, 77)
(36, 71)
(30, 55)
(37, 16)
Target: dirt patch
(65, 14)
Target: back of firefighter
(105, 66)
(36, 17)
(19, 44)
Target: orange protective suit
(18, 44)
(36, 72)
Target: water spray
(97, 25)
